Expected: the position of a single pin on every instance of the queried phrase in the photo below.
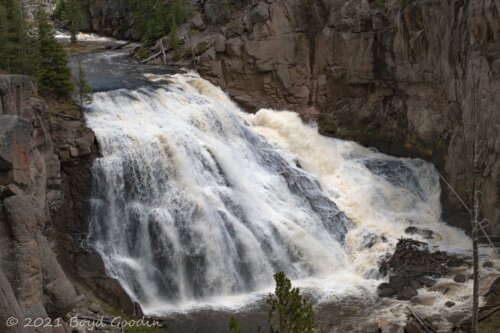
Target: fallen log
(426, 327)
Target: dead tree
(475, 213)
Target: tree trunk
(475, 218)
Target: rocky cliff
(405, 76)
(45, 158)
(32, 282)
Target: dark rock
(454, 262)
(460, 278)
(220, 43)
(373, 330)
(425, 233)
(406, 294)
(488, 264)
(197, 22)
(415, 284)
(392, 328)
(423, 300)
(386, 292)
(383, 285)
(259, 13)
(94, 307)
(369, 240)
(413, 327)
(430, 282)
(449, 304)
(138, 310)
(398, 282)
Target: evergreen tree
(84, 90)
(73, 17)
(295, 314)
(173, 40)
(233, 326)
(14, 41)
(53, 74)
(153, 18)
(60, 10)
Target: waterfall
(193, 198)
(189, 202)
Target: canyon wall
(32, 282)
(46, 154)
(404, 76)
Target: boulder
(413, 327)
(392, 328)
(423, 300)
(219, 43)
(386, 292)
(406, 294)
(259, 13)
(449, 304)
(197, 22)
(460, 278)
(94, 307)
(15, 149)
(233, 29)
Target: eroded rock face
(404, 76)
(112, 18)
(32, 281)
(45, 161)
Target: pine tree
(53, 74)
(174, 40)
(84, 89)
(295, 314)
(14, 40)
(233, 326)
(69, 12)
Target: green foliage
(380, 3)
(60, 9)
(173, 41)
(289, 309)
(16, 47)
(84, 90)
(233, 326)
(53, 74)
(69, 12)
(294, 313)
(154, 18)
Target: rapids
(196, 203)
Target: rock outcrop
(31, 279)
(407, 77)
(45, 177)
(112, 18)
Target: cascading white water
(195, 199)
(189, 202)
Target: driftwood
(423, 323)
(64, 115)
(119, 47)
(485, 315)
(163, 52)
(154, 56)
